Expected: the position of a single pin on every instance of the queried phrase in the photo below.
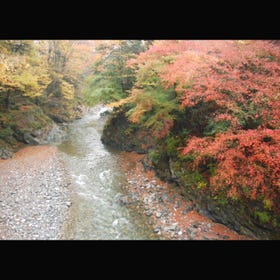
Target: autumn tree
(224, 121)
(22, 72)
(40, 81)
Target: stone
(157, 229)
(149, 213)
(189, 207)
(124, 200)
(163, 198)
(194, 233)
(171, 227)
(135, 196)
(204, 237)
(158, 214)
(177, 204)
(29, 139)
(195, 224)
(68, 203)
(5, 154)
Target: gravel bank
(34, 197)
(172, 216)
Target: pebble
(157, 229)
(158, 214)
(149, 212)
(171, 227)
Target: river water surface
(96, 182)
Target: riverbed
(97, 184)
(80, 189)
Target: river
(96, 184)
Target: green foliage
(216, 127)
(102, 90)
(262, 216)
(221, 199)
(111, 78)
(186, 158)
(158, 103)
(193, 179)
(249, 115)
(156, 156)
(172, 144)
(6, 133)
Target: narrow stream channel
(96, 184)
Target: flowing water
(96, 182)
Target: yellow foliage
(119, 103)
(67, 90)
(136, 113)
(143, 103)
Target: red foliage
(231, 73)
(247, 162)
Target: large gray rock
(29, 139)
(123, 135)
(4, 153)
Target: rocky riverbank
(34, 195)
(170, 214)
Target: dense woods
(41, 82)
(209, 109)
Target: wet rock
(147, 200)
(177, 204)
(157, 229)
(4, 153)
(68, 203)
(189, 207)
(224, 236)
(189, 230)
(158, 214)
(149, 213)
(123, 221)
(115, 223)
(56, 118)
(135, 196)
(193, 234)
(124, 200)
(195, 224)
(163, 198)
(152, 198)
(171, 227)
(149, 185)
(29, 139)
(127, 137)
(56, 134)
(204, 237)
